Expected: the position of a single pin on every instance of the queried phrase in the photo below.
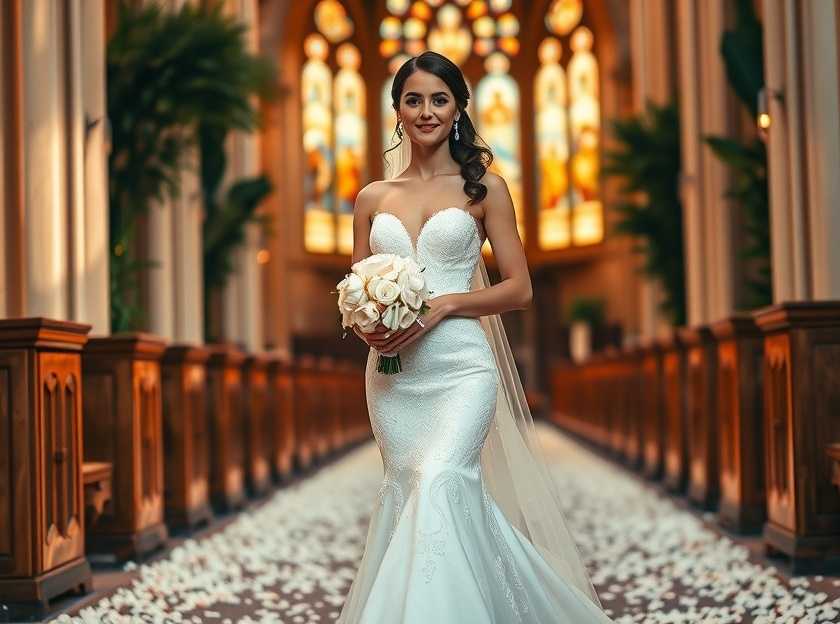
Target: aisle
(291, 559)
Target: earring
(457, 136)
(399, 128)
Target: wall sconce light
(263, 256)
(762, 118)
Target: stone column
(87, 168)
(243, 300)
(175, 285)
(44, 161)
(707, 106)
(785, 153)
(821, 100)
(803, 77)
(54, 182)
(651, 24)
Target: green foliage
(648, 163)
(748, 163)
(588, 309)
(743, 53)
(167, 73)
(226, 216)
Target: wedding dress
(439, 548)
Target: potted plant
(169, 73)
(585, 314)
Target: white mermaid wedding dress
(439, 549)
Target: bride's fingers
(406, 337)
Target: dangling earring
(457, 136)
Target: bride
(467, 527)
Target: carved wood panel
(778, 422)
(60, 420)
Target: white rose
(412, 288)
(383, 291)
(346, 318)
(351, 293)
(366, 317)
(407, 317)
(395, 269)
(377, 264)
(391, 316)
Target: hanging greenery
(648, 163)
(168, 72)
(743, 53)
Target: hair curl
(470, 151)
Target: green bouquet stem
(389, 364)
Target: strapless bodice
(448, 246)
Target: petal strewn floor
(292, 558)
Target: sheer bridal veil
(512, 461)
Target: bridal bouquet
(382, 290)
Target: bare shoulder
(495, 184)
(368, 199)
(498, 199)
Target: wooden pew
(701, 415)
(281, 400)
(123, 426)
(305, 389)
(674, 395)
(257, 430)
(186, 437)
(42, 525)
(634, 404)
(331, 380)
(653, 411)
(801, 407)
(742, 495)
(225, 415)
(96, 480)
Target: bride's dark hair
(473, 157)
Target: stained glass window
(497, 102)
(334, 130)
(461, 29)
(484, 37)
(567, 131)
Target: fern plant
(743, 53)
(647, 161)
(167, 73)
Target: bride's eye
(441, 101)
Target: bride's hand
(439, 309)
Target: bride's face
(427, 108)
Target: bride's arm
(514, 291)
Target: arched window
(334, 129)
(567, 131)
(558, 117)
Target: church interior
(184, 435)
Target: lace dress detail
(438, 547)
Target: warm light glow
(563, 15)
(332, 20)
(764, 121)
(263, 256)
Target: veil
(512, 461)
